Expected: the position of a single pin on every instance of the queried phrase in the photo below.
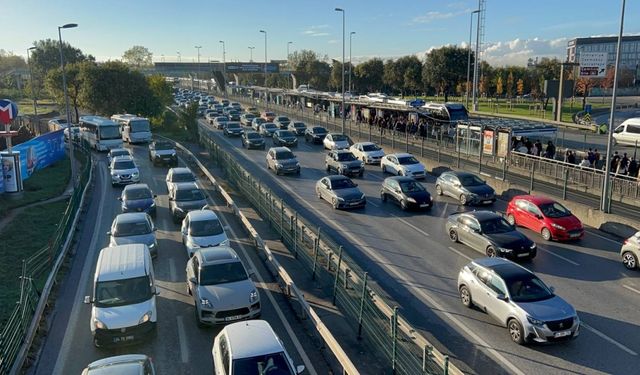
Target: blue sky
(515, 30)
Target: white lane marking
(182, 338)
(604, 237)
(444, 211)
(373, 204)
(609, 339)
(69, 334)
(631, 288)
(559, 257)
(172, 270)
(460, 253)
(412, 226)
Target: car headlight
(224, 243)
(135, 174)
(340, 199)
(145, 318)
(535, 321)
(205, 303)
(362, 196)
(557, 226)
(297, 164)
(532, 246)
(278, 165)
(179, 209)
(361, 164)
(253, 296)
(505, 250)
(99, 324)
(153, 246)
(192, 245)
(153, 204)
(344, 166)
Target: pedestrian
(591, 156)
(615, 159)
(633, 167)
(623, 165)
(550, 152)
(585, 163)
(538, 145)
(534, 150)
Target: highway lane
(180, 346)
(409, 254)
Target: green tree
(46, 55)
(74, 74)
(309, 69)
(161, 89)
(188, 120)
(510, 81)
(335, 80)
(393, 76)
(444, 67)
(412, 73)
(369, 75)
(138, 56)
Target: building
(629, 58)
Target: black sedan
(251, 139)
(315, 134)
(406, 192)
(285, 138)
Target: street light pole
(251, 53)
(343, 109)
(350, 88)
(265, 69)
(224, 66)
(476, 66)
(288, 65)
(66, 102)
(33, 93)
(469, 57)
(198, 70)
(606, 201)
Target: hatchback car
(183, 198)
(315, 134)
(138, 198)
(124, 171)
(132, 228)
(221, 288)
(545, 216)
(490, 234)
(220, 122)
(343, 162)
(466, 187)
(256, 122)
(282, 160)
(406, 192)
(285, 138)
(336, 141)
(233, 128)
(517, 299)
(202, 229)
(138, 364)
(341, 192)
(630, 251)
(403, 165)
(114, 152)
(176, 175)
(297, 127)
(251, 139)
(267, 129)
(368, 152)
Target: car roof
(401, 154)
(233, 123)
(482, 214)
(186, 186)
(136, 187)
(459, 173)
(252, 338)
(119, 359)
(535, 199)
(131, 217)
(119, 149)
(400, 178)
(201, 215)
(122, 262)
(123, 158)
(504, 268)
(180, 170)
(336, 177)
(280, 149)
(343, 151)
(364, 143)
(217, 254)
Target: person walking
(550, 152)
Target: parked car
(341, 192)
(162, 152)
(138, 198)
(246, 119)
(336, 141)
(114, 152)
(132, 228)
(183, 198)
(201, 229)
(406, 192)
(518, 300)
(220, 122)
(256, 122)
(297, 127)
(282, 160)
(267, 129)
(630, 251)
(368, 152)
(176, 175)
(233, 128)
(138, 364)
(282, 122)
(284, 138)
(466, 187)
(545, 216)
(268, 116)
(343, 162)
(490, 234)
(124, 171)
(627, 133)
(221, 287)
(251, 139)
(403, 164)
(315, 134)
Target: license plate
(123, 338)
(424, 205)
(353, 204)
(574, 235)
(488, 201)
(523, 255)
(235, 317)
(562, 334)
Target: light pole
(343, 109)
(350, 88)
(469, 57)
(476, 66)
(265, 69)
(198, 70)
(35, 100)
(224, 66)
(179, 58)
(66, 101)
(251, 53)
(606, 199)
(288, 66)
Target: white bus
(102, 133)
(134, 129)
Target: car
(131, 228)
(220, 121)
(58, 123)
(315, 134)
(489, 233)
(297, 127)
(117, 152)
(138, 198)
(282, 161)
(256, 122)
(75, 133)
(221, 287)
(267, 129)
(252, 139)
(183, 198)
(233, 115)
(246, 119)
(368, 152)
(251, 347)
(138, 364)
(284, 138)
(254, 111)
(201, 229)
(282, 122)
(163, 152)
(224, 102)
(124, 171)
(268, 116)
(466, 187)
(545, 216)
(518, 300)
(343, 162)
(407, 192)
(211, 116)
(176, 175)
(233, 128)
(341, 192)
(336, 141)
(630, 251)
(403, 164)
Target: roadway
(180, 346)
(412, 258)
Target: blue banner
(40, 152)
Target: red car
(545, 216)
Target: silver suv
(282, 160)
(517, 299)
(344, 162)
(124, 171)
(183, 198)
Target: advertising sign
(8, 111)
(11, 171)
(593, 64)
(503, 144)
(40, 152)
(487, 142)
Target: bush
(167, 121)
(188, 120)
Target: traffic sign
(593, 64)
(8, 111)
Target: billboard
(40, 152)
(593, 64)
(251, 68)
(11, 172)
(487, 142)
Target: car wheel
(334, 203)
(306, 140)
(515, 331)
(491, 252)
(546, 234)
(298, 172)
(511, 219)
(197, 316)
(629, 260)
(453, 235)
(403, 205)
(318, 194)
(438, 189)
(463, 199)
(465, 296)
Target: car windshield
(132, 194)
(283, 118)
(123, 164)
(222, 119)
(269, 125)
(319, 130)
(411, 187)
(270, 114)
(164, 146)
(299, 125)
(407, 160)
(259, 120)
(115, 153)
(201, 228)
(339, 137)
(528, 288)
(109, 132)
(495, 225)
(346, 156)
(371, 147)
(189, 195)
(253, 135)
(222, 273)
(233, 125)
(122, 292)
(271, 364)
(183, 177)
(470, 180)
(284, 155)
(554, 210)
(286, 134)
(249, 116)
(342, 183)
(132, 229)
(140, 126)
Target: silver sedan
(341, 192)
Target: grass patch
(44, 184)
(27, 233)
(44, 106)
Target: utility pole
(251, 53)
(288, 65)
(469, 57)
(33, 93)
(350, 64)
(224, 66)
(66, 101)
(343, 109)
(265, 69)
(198, 70)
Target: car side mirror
(502, 297)
(108, 233)
(193, 280)
(155, 229)
(355, 184)
(157, 292)
(538, 216)
(251, 272)
(88, 300)
(476, 230)
(300, 369)
(170, 198)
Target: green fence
(38, 272)
(358, 298)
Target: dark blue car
(406, 192)
(138, 198)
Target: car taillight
(626, 242)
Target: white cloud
(433, 16)
(315, 30)
(333, 41)
(320, 34)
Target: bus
(101, 133)
(447, 112)
(134, 129)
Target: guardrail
(16, 336)
(378, 323)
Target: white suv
(124, 171)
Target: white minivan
(134, 129)
(628, 133)
(123, 307)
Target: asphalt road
(180, 346)
(412, 258)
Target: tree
(444, 68)
(161, 89)
(46, 56)
(188, 120)
(310, 70)
(75, 75)
(392, 76)
(520, 87)
(369, 75)
(510, 85)
(335, 80)
(583, 88)
(482, 85)
(138, 56)
(460, 88)
(499, 88)
(412, 76)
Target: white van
(628, 133)
(124, 296)
(134, 129)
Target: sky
(515, 30)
